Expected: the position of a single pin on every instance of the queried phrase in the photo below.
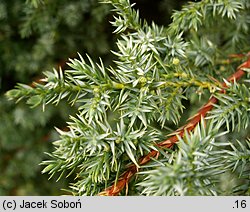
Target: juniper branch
(124, 179)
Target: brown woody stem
(124, 179)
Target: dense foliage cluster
(159, 77)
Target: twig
(124, 179)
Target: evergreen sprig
(189, 171)
(234, 107)
(195, 14)
(194, 169)
(125, 110)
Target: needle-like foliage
(158, 77)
